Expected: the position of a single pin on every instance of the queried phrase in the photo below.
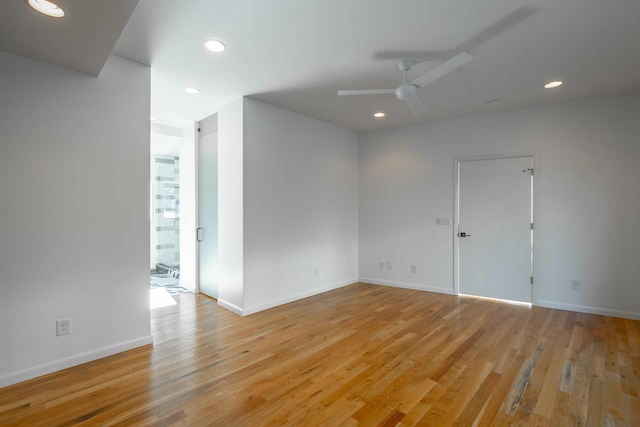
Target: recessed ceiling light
(215, 46)
(379, 115)
(192, 90)
(553, 84)
(46, 7)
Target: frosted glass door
(208, 214)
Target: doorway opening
(166, 223)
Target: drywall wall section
(300, 206)
(188, 244)
(231, 207)
(74, 235)
(587, 205)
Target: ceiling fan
(408, 92)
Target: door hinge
(531, 280)
(532, 226)
(530, 170)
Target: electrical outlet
(63, 327)
(389, 266)
(381, 265)
(575, 284)
(413, 268)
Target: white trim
(456, 179)
(535, 289)
(78, 359)
(280, 301)
(590, 310)
(231, 307)
(414, 286)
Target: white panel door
(494, 228)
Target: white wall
(231, 206)
(587, 206)
(300, 206)
(188, 244)
(298, 183)
(74, 229)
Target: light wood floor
(359, 355)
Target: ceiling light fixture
(46, 7)
(192, 90)
(215, 46)
(553, 84)
(379, 115)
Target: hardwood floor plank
(633, 337)
(516, 393)
(501, 391)
(418, 412)
(472, 410)
(359, 355)
(631, 410)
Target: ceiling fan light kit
(408, 91)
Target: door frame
(534, 197)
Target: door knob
(464, 235)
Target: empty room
(408, 213)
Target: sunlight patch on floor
(507, 301)
(160, 298)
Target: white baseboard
(413, 286)
(75, 360)
(280, 301)
(590, 310)
(231, 307)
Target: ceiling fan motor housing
(406, 91)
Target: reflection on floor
(163, 287)
(159, 297)
(169, 283)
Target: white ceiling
(82, 40)
(297, 54)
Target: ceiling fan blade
(366, 92)
(442, 69)
(416, 105)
